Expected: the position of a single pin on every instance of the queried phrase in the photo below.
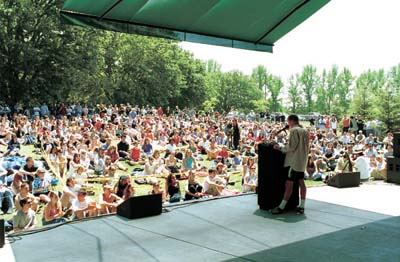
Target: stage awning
(245, 24)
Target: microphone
(283, 129)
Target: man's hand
(277, 147)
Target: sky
(357, 34)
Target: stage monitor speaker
(396, 144)
(2, 233)
(141, 206)
(272, 177)
(393, 170)
(341, 180)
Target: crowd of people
(79, 145)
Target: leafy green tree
(321, 94)
(331, 87)
(235, 89)
(39, 58)
(309, 80)
(262, 78)
(274, 86)
(344, 87)
(294, 93)
(363, 99)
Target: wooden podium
(272, 178)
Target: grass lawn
(140, 189)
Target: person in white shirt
(80, 175)
(250, 181)
(378, 168)
(362, 164)
(212, 184)
(84, 206)
(70, 193)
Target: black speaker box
(351, 179)
(393, 170)
(2, 233)
(141, 206)
(396, 144)
(272, 178)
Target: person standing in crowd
(236, 134)
(296, 151)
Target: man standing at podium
(296, 151)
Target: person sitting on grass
(311, 169)
(113, 154)
(110, 175)
(172, 188)
(250, 162)
(222, 174)
(150, 167)
(123, 188)
(321, 170)
(157, 190)
(53, 212)
(212, 151)
(24, 218)
(41, 185)
(171, 163)
(159, 163)
(13, 146)
(379, 170)
(80, 175)
(250, 181)
(84, 206)
(6, 200)
(28, 171)
(194, 189)
(189, 162)
(147, 147)
(70, 193)
(135, 155)
(24, 193)
(108, 200)
(213, 185)
(236, 160)
(123, 147)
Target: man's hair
(293, 118)
(24, 201)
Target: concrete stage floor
(231, 229)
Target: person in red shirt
(224, 152)
(135, 157)
(345, 123)
(160, 111)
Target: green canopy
(245, 24)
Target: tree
(294, 93)
(309, 80)
(40, 58)
(344, 83)
(363, 97)
(235, 89)
(262, 78)
(274, 86)
(331, 87)
(321, 94)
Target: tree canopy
(44, 61)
